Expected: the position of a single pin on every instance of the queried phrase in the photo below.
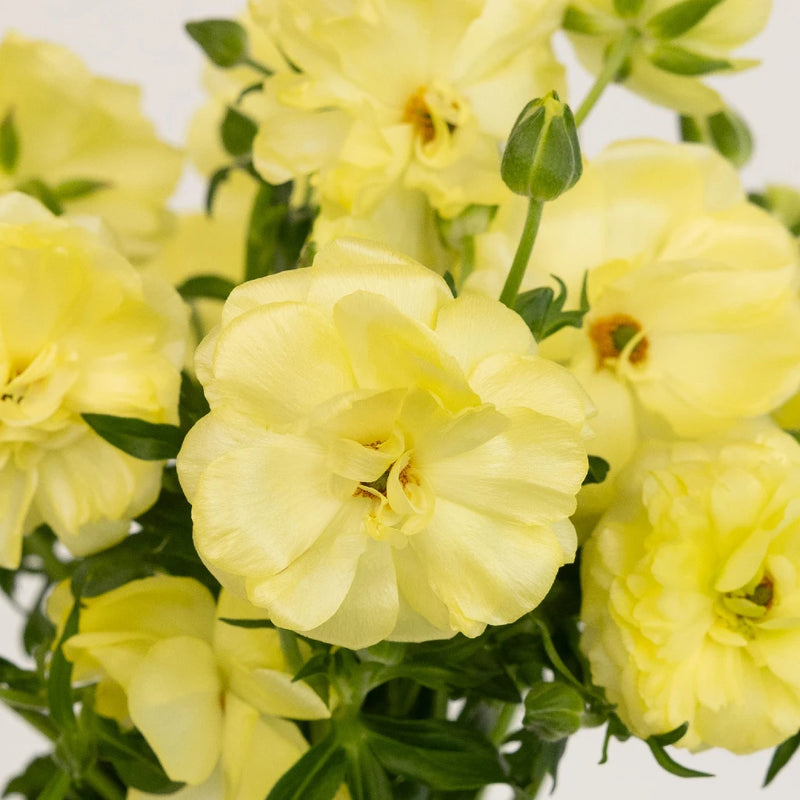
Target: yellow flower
(203, 693)
(380, 459)
(695, 319)
(691, 598)
(664, 65)
(407, 91)
(72, 126)
(81, 331)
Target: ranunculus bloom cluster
(691, 593)
(381, 460)
(81, 331)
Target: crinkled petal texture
(727, 25)
(81, 331)
(695, 317)
(381, 460)
(76, 128)
(691, 593)
(406, 98)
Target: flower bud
(543, 158)
(725, 131)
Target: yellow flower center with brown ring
(419, 115)
(610, 336)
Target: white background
(142, 41)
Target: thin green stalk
(615, 59)
(257, 66)
(502, 723)
(517, 272)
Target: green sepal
(780, 758)
(43, 193)
(9, 143)
(680, 61)
(237, 132)
(679, 18)
(444, 755)
(543, 311)
(725, 131)
(366, 777)
(542, 159)
(316, 776)
(224, 41)
(214, 287)
(252, 624)
(665, 761)
(30, 783)
(214, 182)
(149, 441)
(628, 8)
(553, 710)
(578, 21)
(78, 188)
(598, 470)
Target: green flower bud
(543, 158)
(725, 131)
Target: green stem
(514, 280)
(502, 723)
(291, 650)
(615, 59)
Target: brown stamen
(610, 335)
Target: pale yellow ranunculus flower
(203, 693)
(381, 460)
(691, 597)
(81, 331)
(725, 27)
(411, 92)
(74, 126)
(695, 318)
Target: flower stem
(105, 786)
(615, 59)
(517, 272)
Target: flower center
(751, 602)
(430, 114)
(611, 336)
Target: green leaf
(553, 710)
(210, 286)
(248, 623)
(192, 405)
(31, 782)
(731, 136)
(366, 778)
(57, 787)
(43, 193)
(681, 61)
(237, 132)
(149, 441)
(444, 755)
(665, 761)
(780, 758)
(577, 21)
(318, 664)
(628, 8)
(77, 188)
(542, 310)
(533, 761)
(598, 470)
(214, 182)
(223, 40)
(9, 143)
(680, 18)
(59, 679)
(316, 776)
(104, 572)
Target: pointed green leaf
(214, 287)
(577, 21)
(59, 678)
(444, 755)
(680, 61)
(316, 776)
(223, 40)
(214, 182)
(31, 782)
(666, 762)
(680, 18)
(9, 143)
(57, 787)
(149, 441)
(781, 756)
(78, 188)
(237, 132)
(366, 778)
(43, 193)
(628, 8)
(248, 623)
